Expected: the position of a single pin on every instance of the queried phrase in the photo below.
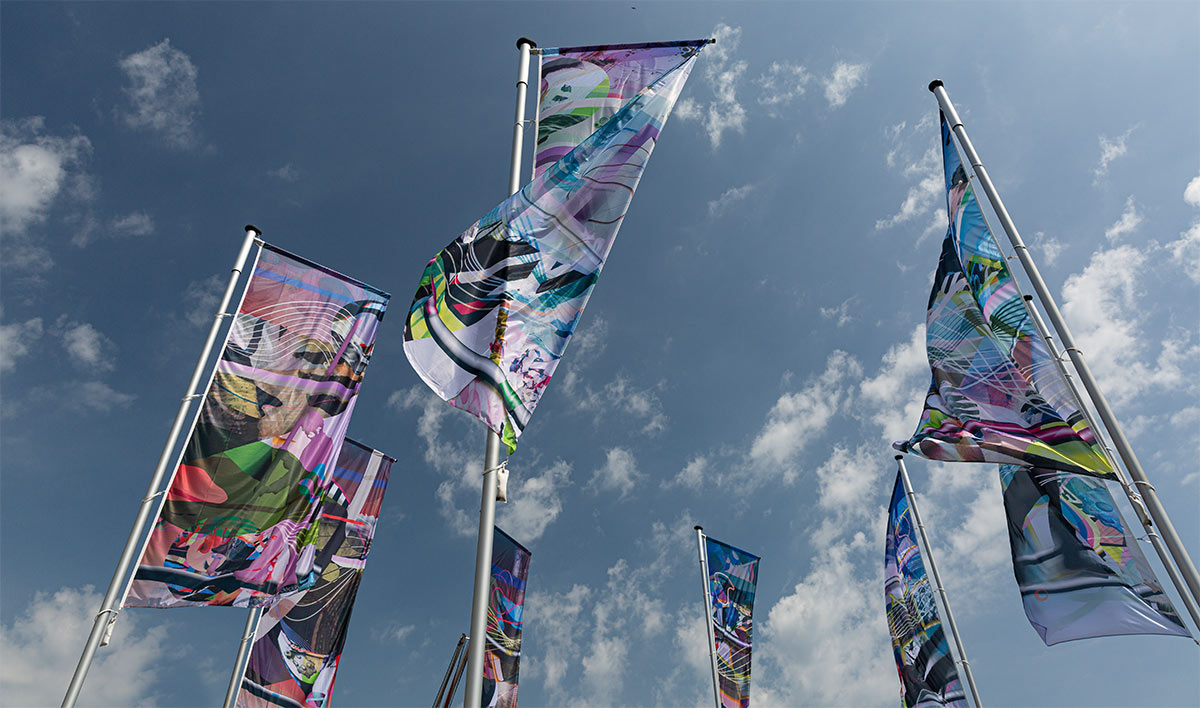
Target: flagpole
(1135, 499)
(462, 639)
(937, 579)
(239, 664)
(708, 613)
(109, 608)
(473, 694)
(1158, 514)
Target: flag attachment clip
(501, 480)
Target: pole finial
(255, 229)
(934, 84)
(1028, 298)
(698, 527)
(525, 40)
(899, 457)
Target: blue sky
(754, 345)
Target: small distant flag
(732, 581)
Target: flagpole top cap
(899, 457)
(698, 527)
(934, 84)
(525, 40)
(1028, 298)
(255, 229)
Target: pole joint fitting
(159, 493)
(190, 396)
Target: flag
(927, 674)
(506, 608)
(299, 641)
(239, 523)
(495, 309)
(732, 577)
(582, 87)
(1081, 575)
(996, 395)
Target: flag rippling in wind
(732, 580)
(506, 609)
(928, 676)
(299, 641)
(495, 309)
(239, 523)
(996, 393)
(1081, 575)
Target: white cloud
(693, 475)
(1050, 246)
(287, 173)
(640, 405)
(1127, 224)
(85, 345)
(556, 619)
(1186, 252)
(534, 502)
(840, 315)
(782, 83)
(201, 297)
(1191, 194)
(728, 198)
(42, 645)
(620, 472)
(799, 418)
(894, 397)
(16, 340)
(162, 93)
(723, 74)
(847, 476)
(923, 197)
(842, 82)
(1111, 149)
(135, 223)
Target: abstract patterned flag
(1079, 572)
(582, 87)
(495, 309)
(506, 607)
(239, 523)
(732, 577)
(300, 639)
(927, 674)
(996, 394)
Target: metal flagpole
(708, 613)
(462, 639)
(462, 664)
(239, 664)
(491, 459)
(937, 579)
(109, 608)
(1135, 499)
(1158, 514)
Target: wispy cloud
(17, 339)
(135, 223)
(842, 81)
(1186, 250)
(1127, 224)
(162, 93)
(728, 198)
(86, 346)
(287, 173)
(1050, 247)
(922, 197)
(619, 472)
(840, 315)
(723, 73)
(1111, 149)
(782, 83)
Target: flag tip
(934, 84)
(255, 229)
(525, 40)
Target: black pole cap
(525, 40)
(255, 229)
(1028, 298)
(899, 457)
(934, 84)
(698, 527)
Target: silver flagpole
(937, 579)
(1135, 499)
(108, 608)
(708, 613)
(473, 694)
(450, 670)
(239, 664)
(1158, 514)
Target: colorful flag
(299, 641)
(996, 394)
(506, 607)
(582, 87)
(239, 523)
(928, 676)
(1079, 572)
(732, 577)
(495, 309)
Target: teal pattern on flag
(239, 523)
(928, 676)
(299, 642)
(495, 309)
(996, 393)
(506, 615)
(1080, 573)
(732, 581)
